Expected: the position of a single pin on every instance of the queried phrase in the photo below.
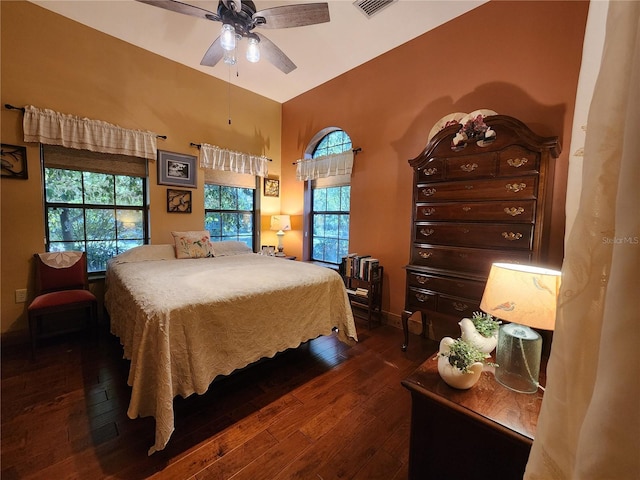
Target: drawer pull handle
(459, 284)
(428, 211)
(469, 187)
(517, 162)
(468, 167)
(422, 297)
(512, 236)
(459, 306)
(463, 255)
(427, 192)
(422, 280)
(513, 211)
(427, 231)
(425, 254)
(430, 171)
(465, 230)
(466, 209)
(515, 187)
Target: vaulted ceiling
(321, 52)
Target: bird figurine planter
(480, 330)
(459, 363)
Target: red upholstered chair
(61, 285)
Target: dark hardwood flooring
(322, 411)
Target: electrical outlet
(21, 295)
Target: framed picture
(271, 187)
(268, 250)
(14, 161)
(177, 169)
(178, 201)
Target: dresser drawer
(472, 166)
(451, 286)
(418, 299)
(472, 260)
(517, 235)
(457, 306)
(515, 160)
(513, 188)
(432, 171)
(521, 211)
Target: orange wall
(52, 62)
(518, 58)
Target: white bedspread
(184, 322)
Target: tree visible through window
(101, 214)
(330, 207)
(229, 213)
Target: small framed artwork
(271, 187)
(178, 201)
(268, 250)
(14, 161)
(177, 169)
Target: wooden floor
(322, 411)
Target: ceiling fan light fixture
(253, 50)
(230, 57)
(228, 37)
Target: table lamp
(280, 224)
(525, 296)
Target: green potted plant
(460, 362)
(481, 330)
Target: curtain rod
(355, 152)
(11, 107)
(198, 145)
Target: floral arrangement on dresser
(474, 129)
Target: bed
(184, 321)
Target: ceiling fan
(239, 18)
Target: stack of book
(363, 267)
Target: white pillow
(145, 253)
(229, 247)
(192, 244)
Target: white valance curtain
(216, 158)
(54, 128)
(325, 166)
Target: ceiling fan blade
(292, 15)
(184, 8)
(213, 55)
(274, 55)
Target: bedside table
(483, 432)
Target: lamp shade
(280, 223)
(522, 294)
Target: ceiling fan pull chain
(229, 94)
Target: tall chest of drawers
(473, 205)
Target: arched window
(330, 204)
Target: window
(229, 213)
(330, 203)
(102, 214)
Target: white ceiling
(321, 52)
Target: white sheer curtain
(589, 426)
(325, 166)
(54, 128)
(217, 158)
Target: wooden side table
(483, 432)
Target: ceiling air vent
(370, 7)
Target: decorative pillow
(192, 244)
(145, 253)
(229, 247)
